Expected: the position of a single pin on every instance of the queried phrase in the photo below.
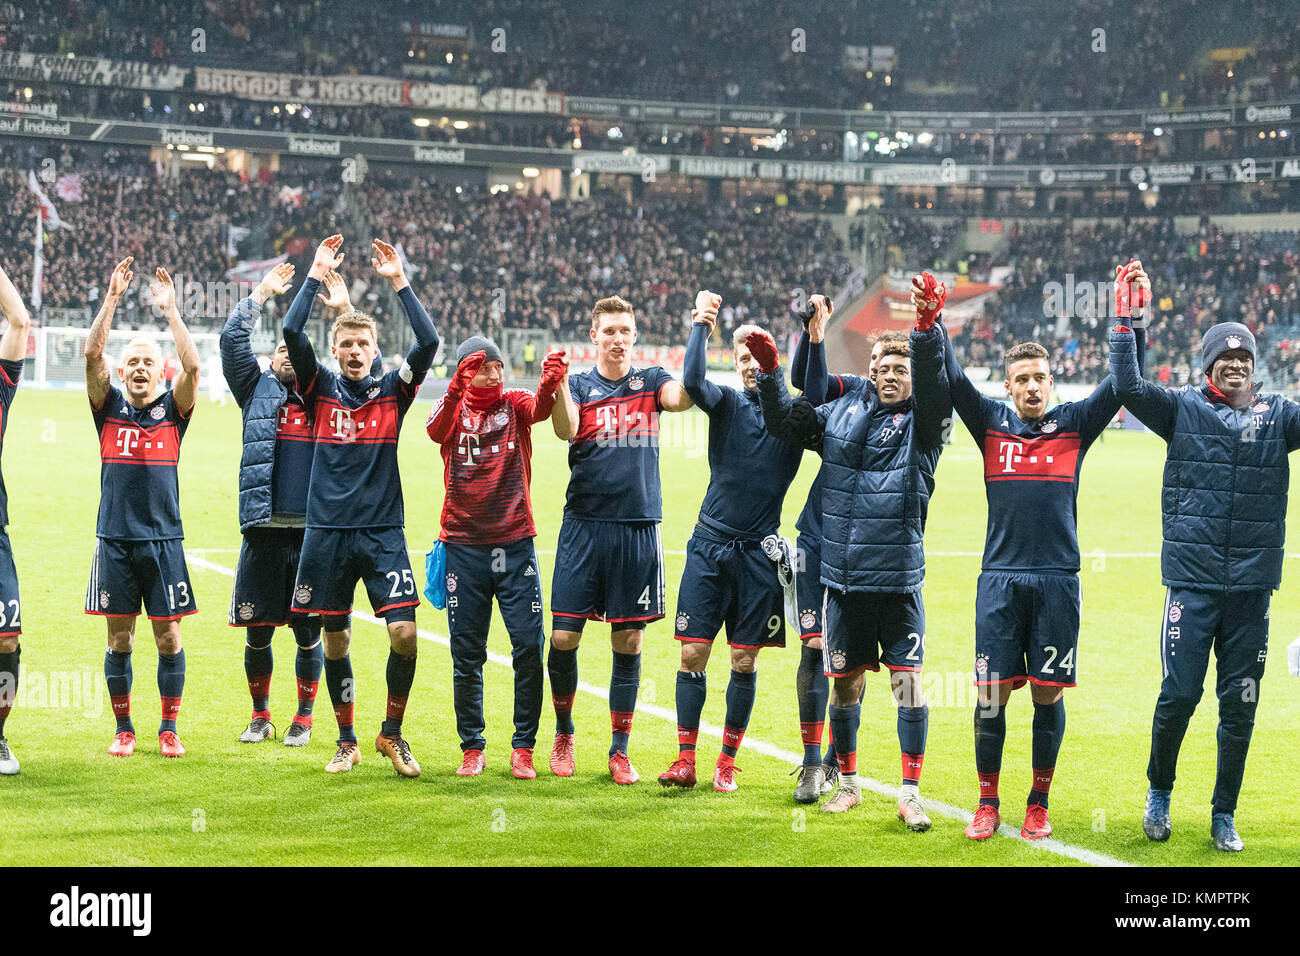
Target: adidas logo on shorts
(529, 572)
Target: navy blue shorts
(1026, 629)
(264, 576)
(509, 572)
(11, 624)
(1233, 623)
(335, 559)
(123, 573)
(808, 582)
(607, 571)
(865, 629)
(732, 583)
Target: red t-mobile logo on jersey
(1009, 454)
(127, 439)
(341, 422)
(468, 446)
(607, 418)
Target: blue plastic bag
(435, 575)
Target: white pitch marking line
(875, 786)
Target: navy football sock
(740, 704)
(118, 676)
(623, 684)
(307, 665)
(258, 665)
(844, 725)
(692, 689)
(1049, 728)
(171, 686)
(990, 735)
(8, 684)
(562, 666)
(338, 680)
(813, 689)
(913, 723)
(400, 676)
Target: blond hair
(354, 320)
(612, 305)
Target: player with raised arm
(728, 578)
(1223, 517)
(273, 475)
(13, 349)
(139, 553)
(355, 515)
(879, 448)
(485, 433)
(1027, 602)
(609, 559)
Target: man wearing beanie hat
(485, 432)
(1223, 515)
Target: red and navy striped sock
(118, 676)
(307, 666)
(741, 690)
(913, 723)
(623, 684)
(844, 725)
(562, 666)
(257, 667)
(400, 676)
(692, 689)
(1049, 729)
(171, 686)
(338, 680)
(990, 735)
(8, 684)
(813, 689)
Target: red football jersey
(487, 466)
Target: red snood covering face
(481, 397)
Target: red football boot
(123, 744)
(1037, 826)
(680, 774)
(986, 822)
(562, 755)
(621, 769)
(521, 763)
(471, 764)
(169, 745)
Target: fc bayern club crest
(838, 660)
(1234, 341)
(1175, 613)
(451, 583)
(635, 382)
(245, 612)
(500, 419)
(981, 664)
(682, 621)
(898, 419)
(373, 392)
(807, 620)
(156, 413)
(1048, 427)
(1260, 407)
(103, 600)
(302, 595)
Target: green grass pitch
(230, 803)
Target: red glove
(763, 349)
(465, 373)
(1125, 290)
(936, 294)
(554, 368)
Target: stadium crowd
(948, 56)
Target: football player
(879, 449)
(728, 578)
(355, 515)
(273, 474)
(1223, 514)
(13, 349)
(1027, 600)
(485, 431)
(139, 555)
(609, 558)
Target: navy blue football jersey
(10, 372)
(139, 448)
(614, 457)
(293, 458)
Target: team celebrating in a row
(320, 508)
